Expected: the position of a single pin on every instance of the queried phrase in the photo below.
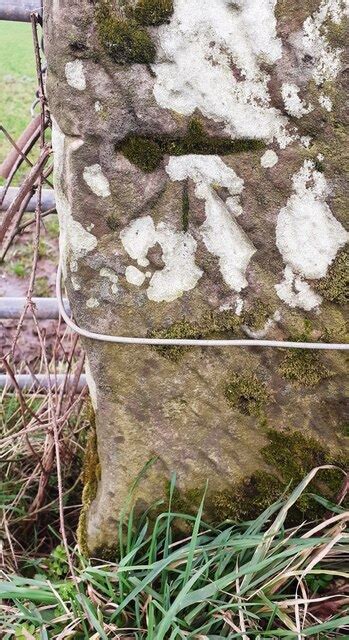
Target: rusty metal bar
(46, 308)
(47, 199)
(29, 382)
(19, 10)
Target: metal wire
(183, 342)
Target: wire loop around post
(183, 342)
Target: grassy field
(17, 79)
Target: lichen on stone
(247, 393)
(335, 285)
(152, 13)
(125, 41)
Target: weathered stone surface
(200, 160)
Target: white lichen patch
(92, 303)
(220, 232)
(225, 42)
(180, 272)
(91, 383)
(308, 236)
(134, 276)
(112, 277)
(269, 159)
(326, 102)
(234, 206)
(315, 42)
(75, 283)
(297, 293)
(96, 180)
(262, 333)
(294, 105)
(138, 238)
(75, 75)
(98, 106)
(75, 241)
(305, 141)
(239, 306)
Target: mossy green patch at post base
(90, 477)
(290, 456)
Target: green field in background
(17, 79)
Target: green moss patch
(257, 317)
(303, 367)
(335, 286)
(90, 478)
(153, 12)
(247, 393)
(142, 152)
(147, 153)
(211, 324)
(249, 498)
(125, 41)
(291, 456)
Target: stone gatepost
(199, 173)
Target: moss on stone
(303, 367)
(112, 222)
(90, 478)
(178, 330)
(152, 12)
(249, 497)
(318, 165)
(335, 286)
(247, 393)
(142, 152)
(211, 324)
(257, 317)
(291, 456)
(337, 33)
(125, 41)
(147, 153)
